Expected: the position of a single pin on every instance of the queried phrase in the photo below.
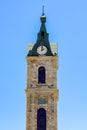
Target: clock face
(41, 50)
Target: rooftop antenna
(43, 10)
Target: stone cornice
(30, 58)
(43, 58)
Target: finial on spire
(43, 10)
(43, 17)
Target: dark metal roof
(42, 39)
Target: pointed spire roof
(42, 38)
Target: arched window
(42, 34)
(41, 119)
(41, 75)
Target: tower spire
(42, 10)
(42, 38)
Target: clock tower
(42, 92)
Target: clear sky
(67, 25)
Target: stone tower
(41, 92)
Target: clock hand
(42, 48)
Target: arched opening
(41, 75)
(42, 34)
(41, 119)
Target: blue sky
(67, 25)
